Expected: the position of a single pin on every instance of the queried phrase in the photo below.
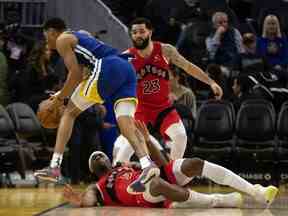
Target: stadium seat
(282, 150)
(28, 129)
(255, 122)
(282, 132)
(255, 137)
(214, 129)
(12, 152)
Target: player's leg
(220, 175)
(173, 127)
(120, 76)
(123, 151)
(159, 189)
(75, 106)
(124, 111)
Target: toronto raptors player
(152, 63)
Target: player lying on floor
(186, 169)
(111, 189)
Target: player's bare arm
(155, 153)
(81, 199)
(65, 45)
(173, 56)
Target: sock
(56, 160)
(197, 200)
(145, 161)
(223, 176)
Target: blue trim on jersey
(89, 49)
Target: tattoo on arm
(173, 56)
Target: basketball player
(112, 77)
(152, 63)
(182, 171)
(111, 190)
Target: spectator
(224, 44)
(38, 79)
(272, 44)
(251, 61)
(180, 93)
(215, 72)
(4, 94)
(173, 30)
(247, 87)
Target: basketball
(49, 118)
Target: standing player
(151, 61)
(112, 77)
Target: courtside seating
(28, 128)
(214, 129)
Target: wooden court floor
(32, 201)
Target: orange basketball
(49, 118)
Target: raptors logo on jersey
(153, 79)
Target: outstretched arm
(155, 154)
(171, 53)
(81, 199)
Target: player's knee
(180, 137)
(192, 167)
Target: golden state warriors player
(112, 76)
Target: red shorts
(149, 116)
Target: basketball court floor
(48, 201)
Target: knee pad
(125, 108)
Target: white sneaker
(265, 195)
(229, 200)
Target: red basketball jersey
(120, 178)
(153, 79)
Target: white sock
(145, 161)
(197, 200)
(223, 176)
(56, 160)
